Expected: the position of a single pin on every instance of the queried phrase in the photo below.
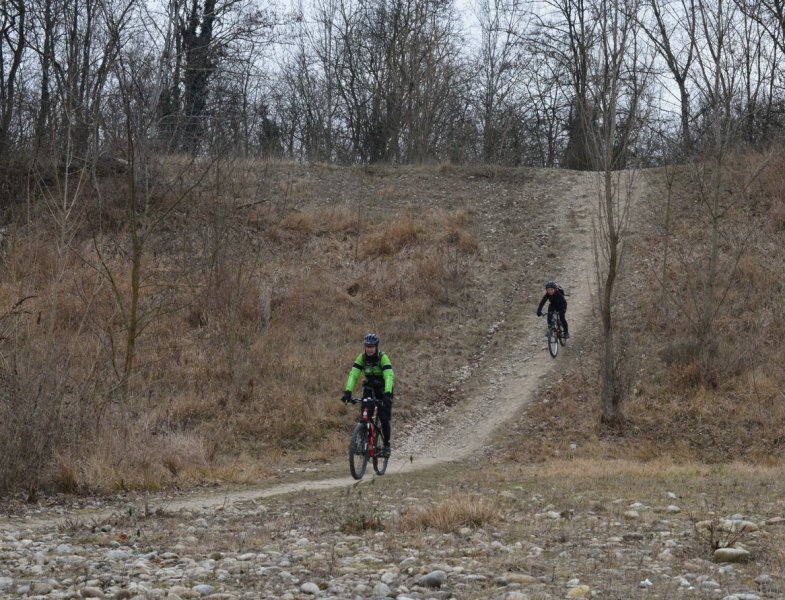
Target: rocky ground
(466, 532)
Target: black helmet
(552, 285)
(371, 339)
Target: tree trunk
(8, 84)
(611, 401)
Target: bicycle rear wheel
(358, 451)
(562, 339)
(553, 342)
(379, 461)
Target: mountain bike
(554, 334)
(366, 440)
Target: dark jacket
(557, 301)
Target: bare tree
(502, 64)
(720, 82)
(673, 35)
(12, 41)
(770, 15)
(395, 71)
(546, 104)
(308, 102)
(144, 180)
(759, 74)
(200, 41)
(46, 29)
(617, 84)
(568, 35)
(717, 90)
(93, 31)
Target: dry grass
(252, 307)
(677, 405)
(453, 513)
(250, 312)
(392, 239)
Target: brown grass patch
(446, 168)
(392, 238)
(334, 220)
(453, 513)
(137, 460)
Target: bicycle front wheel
(358, 451)
(379, 460)
(553, 343)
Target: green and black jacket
(374, 374)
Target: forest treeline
(396, 81)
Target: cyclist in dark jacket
(378, 372)
(554, 295)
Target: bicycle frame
(370, 405)
(555, 323)
(364, 441)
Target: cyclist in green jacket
(378, 372)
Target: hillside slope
(460, 513)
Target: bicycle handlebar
(357, 400)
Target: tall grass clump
(452, 514)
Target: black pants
(385, 413)
(564, 327)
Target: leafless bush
(716, 531)
(360, 512)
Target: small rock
(520, 578)
(580, 591)
(388, 577)
(203, 589)
(737, 525)
(310, 588)
(41, 588)
(731, 555)
(433, 579)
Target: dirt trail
(507, 377)
(492, 391)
